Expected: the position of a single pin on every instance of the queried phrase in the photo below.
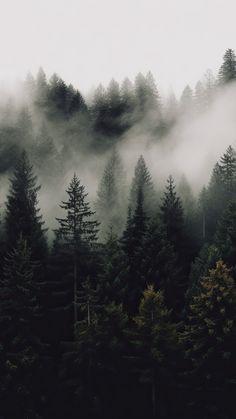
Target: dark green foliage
(77, 234)
(96, 361)
(225, 238)
(132, 243)
(121, 324)
(228, 169)
(155, 343)
(19, 309)
(172, 214)
(161, 268)
(220, 191)
(209, 335)
(22, 215)
(142, 180)
(227, 72)
(111, 283)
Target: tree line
(53, 120)
(125, 312)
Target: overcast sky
(91, 41)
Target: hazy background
(91, 41)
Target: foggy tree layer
(128, 309)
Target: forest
(117, 285)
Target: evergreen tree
(127, 103)
(172, 214)
(22, 214)
(216, 200)
(132, 243)
(19, 309)
(110, 200)
(142, 180)
(155, 341)
(227, 72)
(161, 267)
(41, 95)
(225, 237)
(24, 127)
(99, 110)
(77, 231)
(209, 334)
(46, 158)
(209, 84)
(228, 169)
(111, 284)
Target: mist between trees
(117, 279)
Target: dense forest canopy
(118, 249)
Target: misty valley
(118, 249)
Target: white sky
(91, 41)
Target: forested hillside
(123, 303)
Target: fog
(190, 145)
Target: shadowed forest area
(117, 274)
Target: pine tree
(19, 310)
(228, 169)
(110, 200)
(24, 127)
(210, 336)
(142, 180)
(161, 267)
(99, 110)
(46, 158)
(141, 95)
(155, 341)
(111, 284)
(172, 214)
(77, 231)
(216, 199)
(147, 96)
(227, 72)
(41, 95)
(221, 189)
(153, 101)
(132, 243)
(127, 103)
(225, 237)
(22, 214)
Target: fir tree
(228, 169)
(77, 232)
(142, 180)
(172, 214)
(161, 267)
(155, 341)
(209, 335)
(132, 243)
(41, 94)
(227, 72)
(22, 215)
(225, 237)
(19, 310)
(110, 200)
